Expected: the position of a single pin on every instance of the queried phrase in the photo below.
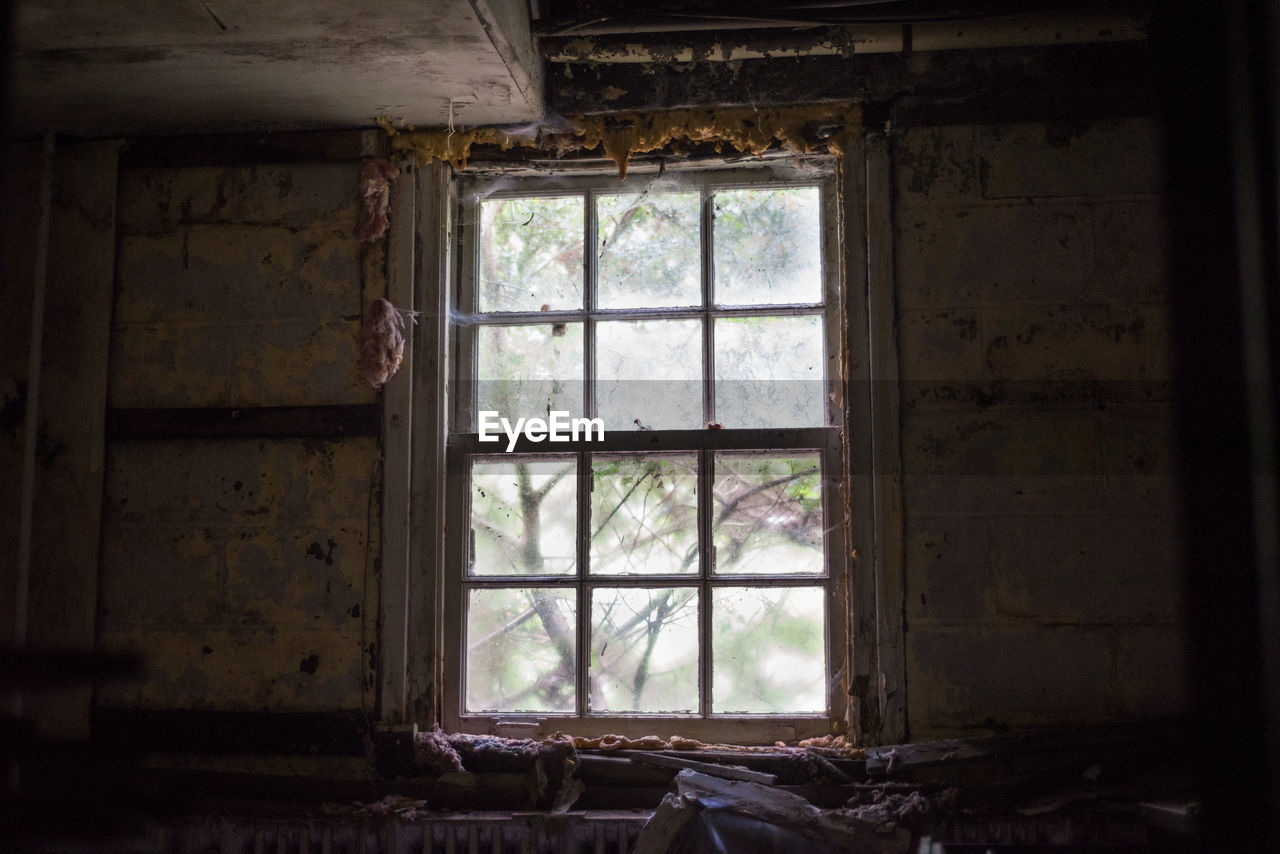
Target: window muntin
(712, 554)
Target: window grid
(590, 315)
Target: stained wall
(243, 568)
(1039, 493)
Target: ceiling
(132, 67)
(155, 67)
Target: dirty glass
(768, 246)
(769, 371)
(767, 514)
(649, 374)
(530, 254)
(644, 650)
(649, 250)
(768, 650)
(523, 516)
(528, 370)
(520, 650)
(644, 514)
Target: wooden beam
(236, 148)
(247, 422)
(397, 432)
(728, 772)
(1001, 75)
(432, 283)
(68, 488)
(886, 439)
(197, 731)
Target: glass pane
(530, 254)
(650, 250)
(769, 371)
(768, 246)
(523, 516)
(644, 650)
(644, 514)
(527, 371)
(768, 650)
(649, 374)
(520, 650)
(767, 514)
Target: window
(645, 530)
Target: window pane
(644, 514)
(523, 516)
(768, 246)
(520, 650)
(530, 254)
(649, 371)
(768, 650)
(769, 371)
(767, 515)
(644, 650)
(649, 249)
(527, 371)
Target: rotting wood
(666, 824)
(728, 772)
(619, 771)
(1075, 745)
(245, 422)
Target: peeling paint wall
(1041, 577)
(1040, 558)
(244, 569)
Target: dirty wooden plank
(397, 433)
(664, 827)
(432, 279)
(886, 441)
(1079, 744)
(68, 489)
(728, 772)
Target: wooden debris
(666, 824)
(776, 807)
(727, 772)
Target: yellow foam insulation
(747, 130)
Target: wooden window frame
(826, 440)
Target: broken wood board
(727, 772)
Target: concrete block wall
(243, 569)
(1041, 584)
